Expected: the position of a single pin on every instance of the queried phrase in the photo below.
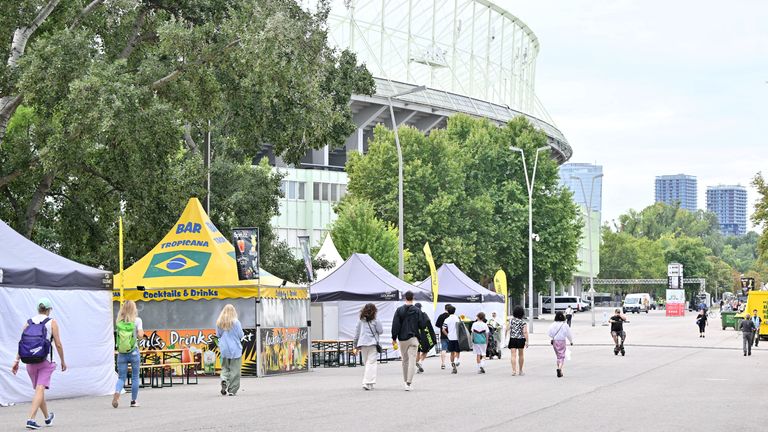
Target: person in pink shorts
(40, 373)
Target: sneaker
(442, 366)
(559, 373)
(454, 370)
(49, 420)
(366, 387)
(458, 363)
(31, 424)
(418, 366)
(408, 386)
(115, 400)
(521, 373)
(135, 404)
(223, 388)
(482, 370)
(232, 394)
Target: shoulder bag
(379, 349)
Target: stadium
(432, 59)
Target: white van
(561, 303)
(637, 303)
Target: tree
(358, 230)
(623, 256)
(105, 109)
(760, 216)
(465, 194)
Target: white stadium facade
(460, 56)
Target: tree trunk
(36, 203)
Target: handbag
(379, 349)
(552, 341)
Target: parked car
(561, 304)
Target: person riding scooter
(617, 331)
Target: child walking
(230, 333)
(480, 341)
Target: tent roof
(24, 264)
(362, 278)
(455, 286)
(193, 254)
(329, 253)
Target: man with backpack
(36, 352)
(427, 340)
(406, 323)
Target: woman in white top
(128, 315)
(559, 332)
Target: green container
(728, 319)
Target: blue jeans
(122, 372)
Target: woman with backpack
(367, 341)
(34, 351)
(129, 329)
(230, 334)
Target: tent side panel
(86, 329)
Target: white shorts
(479, 349)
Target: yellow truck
(756, 300)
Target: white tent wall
(349, 315)
(86, 330)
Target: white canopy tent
(466, 295)
(329, 253)
(82, 306)
(358, 281)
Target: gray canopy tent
(466, 295)
(338, 298)
(82, 307)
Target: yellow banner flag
(500, 282)
(432, 273)
(120, 247)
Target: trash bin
(728, 319)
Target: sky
(653, 87)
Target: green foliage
(760, 216)
(118, 102)
(662, 234)
(465, 194)
(358, 230)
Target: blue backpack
(35, 345)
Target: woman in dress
(517, 331)
(366, 340)
(559, 332)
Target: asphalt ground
(669, 380)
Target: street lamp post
(589, 234)
(400, 261)
(529, 185)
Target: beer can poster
(246, 241)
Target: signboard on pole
(304, 245)
(747, 285)
(675, 303)
(246, 241)
(675, 276)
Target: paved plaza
(670, 380)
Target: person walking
(230, 334)
(568, 315)
(518, 339)
(128, 330)
(756, 319)
(747, 328)
(559, 332)
(701, 321)
(450, 331)
(367, 342)
(427, 340)
(443, 339)
(34, 350)
(480, 340)
(406, 323)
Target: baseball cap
(45, 302)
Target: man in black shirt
(406, 323)
(443, 338)
(617, 331)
